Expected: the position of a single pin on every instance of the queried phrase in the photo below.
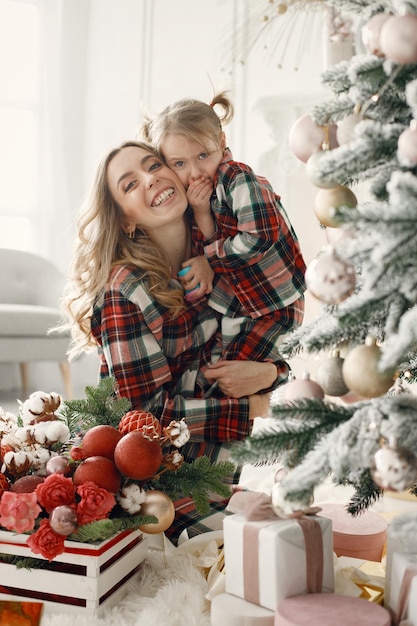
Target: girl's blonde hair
(101, 244)
(193, 119)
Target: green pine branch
(196, 480)
(100, 406)
(366, 494)
(298, 427)
(106, 528)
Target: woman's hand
(238, 379)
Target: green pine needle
(298, 427)
(101, 406)
(196, 480)
(106, 528)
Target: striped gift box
(86, 578)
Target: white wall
(133, 53)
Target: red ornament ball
(26, 484)
(141, 421)
(101, 471)
(137, 457)
(100, 440)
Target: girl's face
(189, 160)
(149, 194)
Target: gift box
(361, 537)
(329, 609)
(402, 539)
(268, 560)
(403, 588)
(229, 610)
(87, 578)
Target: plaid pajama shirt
(259, 284)
(159, 363)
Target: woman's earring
(131, 233)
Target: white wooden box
(86, 579)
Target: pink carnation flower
(18, 511)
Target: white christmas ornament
(407, 145)
(306, 137)
(394, 468)
(346, 127)
(329, 278)
(313, 171)
(371, 33)
(398, 39)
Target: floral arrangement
(85, 469)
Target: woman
(123, 299)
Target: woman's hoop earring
(131, 233)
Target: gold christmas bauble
(160, 505)
(361, 373)
(327, 201)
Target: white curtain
(89, 102)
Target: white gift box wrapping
(280, 552)
(400, 564)
(397, 542)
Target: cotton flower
(131, 498)
(177, 432)
(40, 406)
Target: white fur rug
(166, 591)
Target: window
(19, 122)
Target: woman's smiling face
(149, 194)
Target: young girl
(241, 231)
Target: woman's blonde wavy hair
(193, 119)
(101, 244)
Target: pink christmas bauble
(306, 137)
(407, 146)
(399, 39)
(333, 235)
(302, 388)
(330, 278)
(371, 33)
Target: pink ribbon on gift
(256, 506)
(404, 595)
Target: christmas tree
(360, 426)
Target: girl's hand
(198, 279)
(198, 194)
